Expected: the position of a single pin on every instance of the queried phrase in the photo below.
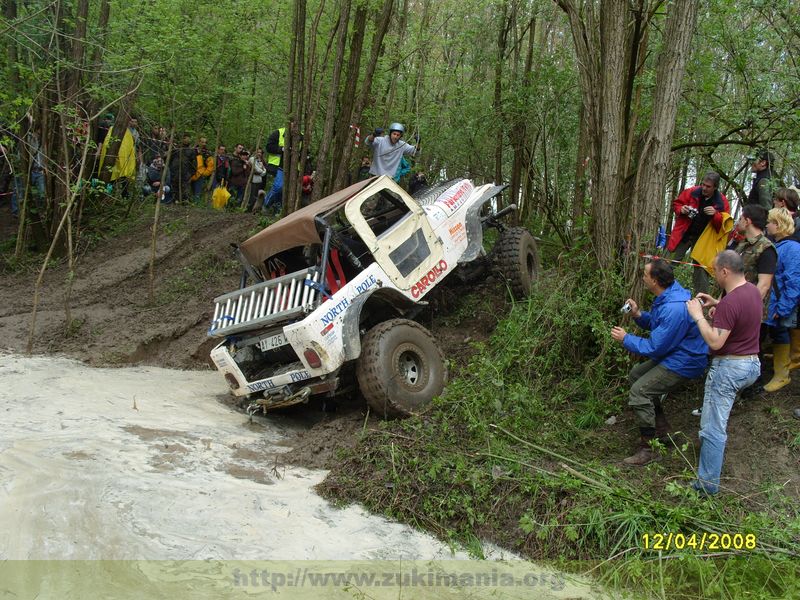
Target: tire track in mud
(112, 322)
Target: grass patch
(516, 453)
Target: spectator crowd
(750, 322)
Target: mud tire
(401, 368)
(516, 258)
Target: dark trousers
(649, 382)
(700, 279)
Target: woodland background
(595, 112)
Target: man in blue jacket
(675, 351)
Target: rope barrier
(670, 260)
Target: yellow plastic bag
(220, 197)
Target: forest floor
(114, 323)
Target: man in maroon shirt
(733, 339)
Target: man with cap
(761, 192)
(388, 151)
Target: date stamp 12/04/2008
(711, 542)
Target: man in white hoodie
(388, 150)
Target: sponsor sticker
(428, 279)
(259, 386)
(452, 201)
(458, 233)
(337, 309)
(299, 376)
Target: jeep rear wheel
(401, 368)
(516, 258)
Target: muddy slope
(112, 321)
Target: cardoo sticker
(419, 288)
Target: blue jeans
(725, 378)
(276, 193)
(197, 187)
(18, 192)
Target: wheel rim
(409, 367)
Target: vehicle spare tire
(401, 368)
(516, 258)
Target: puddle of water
(146, 464)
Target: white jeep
(339, 283)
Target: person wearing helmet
(388, 151)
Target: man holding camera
(695, 209)
(675, 351)
(733, 336)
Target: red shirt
(740, 313)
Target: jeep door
(397, 232)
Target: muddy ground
(113, 322)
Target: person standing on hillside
(259, 169)
(275, 144)
(204, 170)
(240, 172)
(763, 186)
(182, 165)
(783, 299)
(733, 336)
(695, 209)
(675, 351)
(789, 199)
(222, 167)
(757, 251)
(388, 151)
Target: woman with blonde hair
(784, 297)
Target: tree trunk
(10, 15)
(497, 102)
(651, 173)
(291, 150)
(382, 26)
(347, 99)
(323, 158)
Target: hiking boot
(644, 455)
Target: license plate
(272, 342)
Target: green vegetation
(515, 453)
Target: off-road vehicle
(339, 282)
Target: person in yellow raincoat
(124, 168)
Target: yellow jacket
(711, 242)
(125, 165)
(204, 168)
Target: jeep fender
(351, 325)
(474, 224)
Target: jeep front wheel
(516, 258)
(401, 368)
